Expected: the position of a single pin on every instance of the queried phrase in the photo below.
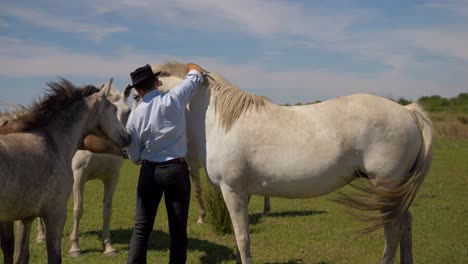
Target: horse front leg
(109, 189)
(54, 223)
(7, 241)
(78, 192)
(23, 230)
(40, 231)
(237, 204)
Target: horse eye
(136, 97)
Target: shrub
(463, 120)
(404, 101)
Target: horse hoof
(200, 221)
(40, 240)
(110, 253)
(75, 254)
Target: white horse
(35, 161)
(88, 166)
(248, 145)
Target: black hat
(142, 74)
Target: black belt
(172, 161)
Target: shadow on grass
(214, 253)
(255, 218)
(295, 261)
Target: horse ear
(127, 91)
(105, 90)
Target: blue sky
(290, 51)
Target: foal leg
(23, 230)
(392, 231)
(40, 231)
(109, 189)
(7, 241)
(78, 192)
(406, 253)
(238, 210)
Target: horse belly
(11, 210)
(96, 166)
(301, 172)
(29, 188)
(305, 186)
(23, 200)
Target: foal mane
(59, 96)
(230, 101)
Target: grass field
(297, 231)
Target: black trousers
(172, 180)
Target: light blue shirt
(157, 125)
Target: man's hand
(193, 66)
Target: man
(159, 143)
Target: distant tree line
(437, 103)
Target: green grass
(297, 231)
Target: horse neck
(200, 109)
(66, 130)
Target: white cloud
(447, 42)
(284, 26)
(260, 18)
(3, 23)
(313, 27)
(281, 86)
(455, 6)
(55, 61)
(60, 23)
(291, 86)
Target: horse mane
(230, 101)
(59, 96)
(10, 121)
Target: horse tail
(394, 201)
(421, 167)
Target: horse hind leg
(398, 232)
(109, 189)
(392, 232)
(266, 205)
(23, 231)
(406, 242)
(7, 241)
(40, 230)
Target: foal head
(119, 99)
(106, 118)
